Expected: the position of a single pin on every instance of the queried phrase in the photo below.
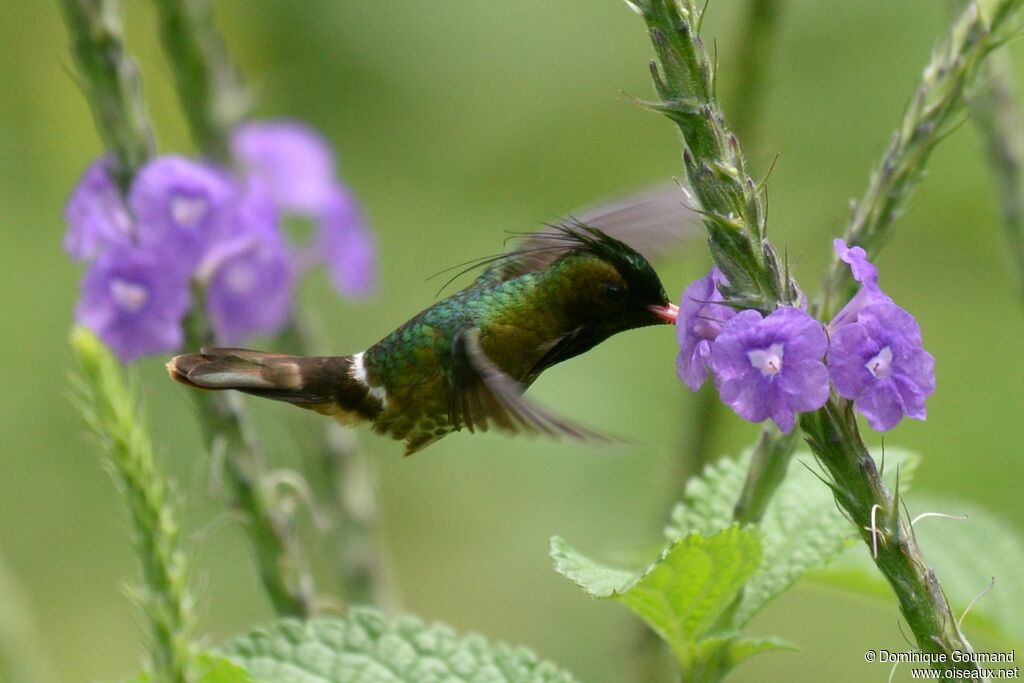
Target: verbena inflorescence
(778, 365)
(189, 225)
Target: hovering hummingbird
(465, 362)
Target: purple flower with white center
(292, 160)
(181, 206)
(96, 214)
(346, 245)
(134, 300)
(879, 362)
(699, 323)
(771, 367)
(248, 278)
(865, 273)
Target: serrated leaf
(802, 529)
(207, 667)
(719, 655)
(365, 647)
(211, 668)
(965, 555)
(680, 595)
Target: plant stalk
(768, 467)
(209, 88)
(754, 53)
(683, 82)
(930, 113)
(110, 408)
(997, 116)
(211, 92)
(732, 203)
(342, 475)
(111, 83)
(271, 531)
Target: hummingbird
(466, 361)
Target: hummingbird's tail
(325, 384)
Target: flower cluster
(778, 365)
(193, 224)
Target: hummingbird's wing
(650, 221)
(482, 393)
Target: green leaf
(206, 667)
(368, 648)
(801, 530)
(719, 655)
(683, 593)
(965, 555)
(211, 668)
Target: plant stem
(928, 117)
(110, 81)
(214, 99)
(684, 84)
(753, 58)
(731, 202)
(857, 484)
(209, 88)
(271, 532)
(348, 473)
(110, 408)
(342, 474)
(768, 467)
(997, 116)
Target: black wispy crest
(538, 249)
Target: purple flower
(96, 214)
(771, 367)
(292, 160)
(866, 274)
(699, 323)
(248, 277)
(346, 245)
(181, 206)
(297, 167)
(879, 362)
(134, 299)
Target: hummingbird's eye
(614, 293)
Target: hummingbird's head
(609, 286)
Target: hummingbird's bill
(668, 313)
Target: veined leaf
(365, 647)
(682, 594)
(801, 530)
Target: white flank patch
(358, 373)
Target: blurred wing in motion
(651, 221)
(481, 393)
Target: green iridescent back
(413, 364)
(534, 308)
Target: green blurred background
(457, 121)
